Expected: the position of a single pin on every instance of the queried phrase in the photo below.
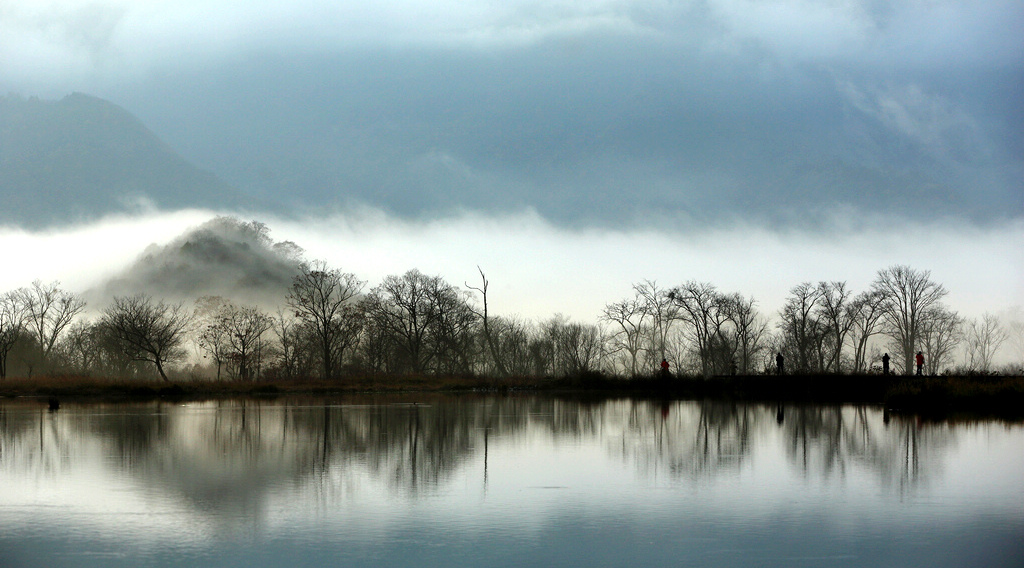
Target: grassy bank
(988, 395)
(107, 389)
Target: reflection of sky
(595, 487)
(988, 465)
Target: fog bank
(537, 269)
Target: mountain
(82, 157)
(590, 141)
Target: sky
(568, 148)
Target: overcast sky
(617, 112)
(825, 138)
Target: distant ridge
(83, 157)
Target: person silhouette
(920, 362)
(664, 369)
(885, 364)
(780, 364)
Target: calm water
(497, 481)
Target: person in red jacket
(920, 362)
(664, 369)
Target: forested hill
(82, 157)
(222, 257)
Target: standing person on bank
(920, 362)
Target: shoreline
(981, 395)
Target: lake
(480, 480)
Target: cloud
(81, 256)
(927, 119)
(608, 113)
(799, 28)
(121, 37)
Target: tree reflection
(37, 442)
(235, 457)
(831, 440)
(687, 440)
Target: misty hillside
(222, 257)
(82, 157)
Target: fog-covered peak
(222, 257)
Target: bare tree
(81, 348)
(984, 338)
(147, 331)
(456, 335)
(325, 299)
(706, 312)
(212, 338)
(939, 332)
(48, 310)
(489, 335)
(630, 329)
(541, 348)
(512, 337)
(907, 295)
(507, 339)
(580, 348)
(751, 330)
(1015, 335)
(403, 311)
(424, 319)
(234, 334)
(377, 350)
(835, 318)
(247, 326)
(12, 321)
(802, 333)
(572, 348)
(663, 313)
(865, 315)
(294, 357)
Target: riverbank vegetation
(330, 330)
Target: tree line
(330, 326)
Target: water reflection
(832, 440)
(688, 440)
(227, 453)
(501, 481)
